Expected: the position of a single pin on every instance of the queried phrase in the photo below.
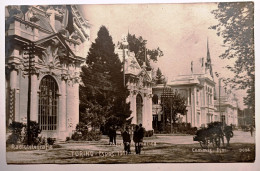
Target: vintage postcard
(130, 83)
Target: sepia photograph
(129, 83)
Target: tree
(138, 46)
(102, 87)
(236, 27)
(173, 104)
(159, 78)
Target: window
(198, 118)
(209, 96)
(48, 103)
(197, 97)
(209, 117)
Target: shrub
(67, 138)
(148, 133)
(93, 136)
(16, 136)
(76, 136)
(34, 133)
(82, 128)
(89, 136)
(51, 141)
(192, 130)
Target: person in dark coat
(110, 135)
(251, 130)
(114, 135)
(136, 139)
(140, 133)
(126, 140)
(228, 133)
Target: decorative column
(195, 108)
(76, 103)
(62, 104)
(150, 115)
(69, 104)
(144, 115)
(192, 106)
(133, 104)
(13, 114)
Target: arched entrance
(139, 109)
(48, 103)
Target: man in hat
(126, 140)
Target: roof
(44, 23)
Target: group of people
(137, 138)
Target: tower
(208, 65)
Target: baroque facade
(60, 36)
(139, 83)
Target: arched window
(48, 103)
(155, 99)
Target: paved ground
(159, 148)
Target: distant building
(245, 117)
(198, 88)
(139, 83)
(61, 38)
(226, 105)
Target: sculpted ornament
(141, 82)
(50, 58)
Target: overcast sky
(180, 30)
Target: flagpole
(125, 44)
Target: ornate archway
(48, 103)
(139, 109)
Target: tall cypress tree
(159, 78)
(102, 94)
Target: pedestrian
(136, 139)
(114, 135)
(227, 134)
(251, 130)
(140, 133)
(126, 140)
(110, 135)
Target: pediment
(54, 51)
(55, 40)
(144, 75)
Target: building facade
(60, 38)
(198, 88)
(139, 83)
(226, 105)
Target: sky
(180, 30)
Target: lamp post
(156, 111)
(167, 96)
(222, 117)
(125, 44)
(29, 67)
